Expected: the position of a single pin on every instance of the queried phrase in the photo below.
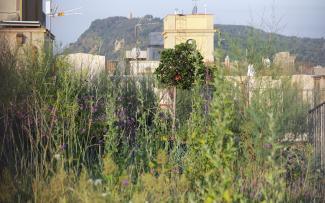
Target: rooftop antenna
(205, 8)
(66, 13)
(194, 11)
(52, 11)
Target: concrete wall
(21, 37)
(156, 39)
(87, 63)
(285, 61)
(319, 70)
(311, 88)
(132, 54)
(195, 22)
(26, 10)
(154, 53)
(10, 10)
(143, 67)
(180, 28)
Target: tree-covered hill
(105, 35)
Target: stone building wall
(199, 27)
(20, 37)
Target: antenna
(195, 2)
(195, 10)
(52, 11)
(205, 8)
(66, 13)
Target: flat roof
(190, 14)
(24, 25)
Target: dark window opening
(20, 39)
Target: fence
(317, 138)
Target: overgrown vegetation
(68, 138)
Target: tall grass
(66, 137)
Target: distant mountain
(113, 35)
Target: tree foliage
(180, 66)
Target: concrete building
(22, 23)
(143, 62)
(25, 33)
(136, 54)
(179, 28)
(111, 66)
(22, 10)
(91, 65)
(131, 56)
(10, 10)
(88, 64)
(143, 67)
(156, 44)
(319, 70)
(285, 61)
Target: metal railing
(317, 135)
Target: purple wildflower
(268, 146)
(94, 109)
(125, 182)
(101, 141)
(102, 117)
(64, 146)
(175, 170)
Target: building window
(20, 39)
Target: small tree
(179, 68)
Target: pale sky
(304, 18)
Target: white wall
(88, 63)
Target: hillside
(102, 35)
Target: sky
(303, 18)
